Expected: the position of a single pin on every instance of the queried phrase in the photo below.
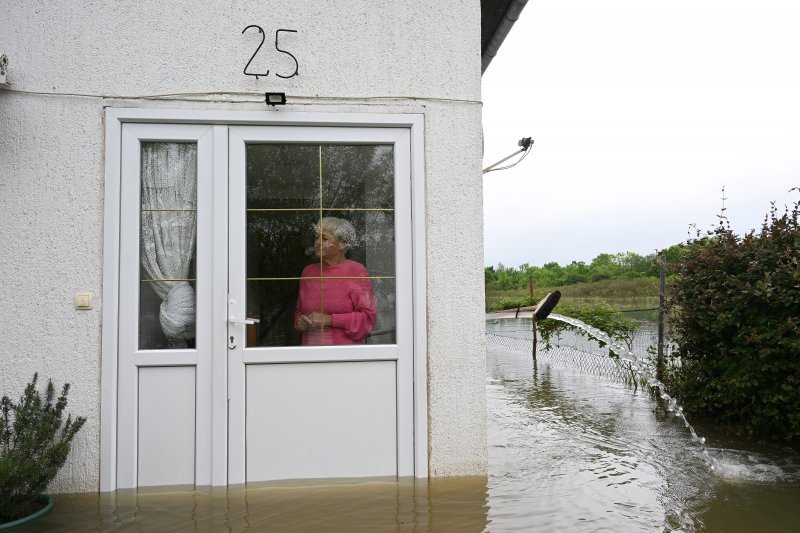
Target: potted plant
(34, 443)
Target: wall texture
(70, 59)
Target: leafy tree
(604, 266)
(674, 255)
(489, 275)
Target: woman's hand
(313, 320)
(319, 319)
(303, 323)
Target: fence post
(533, 326)
(661, 297)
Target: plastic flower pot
(43, 499)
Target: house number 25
(277, 47)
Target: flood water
(572, 447)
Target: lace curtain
(169, 232)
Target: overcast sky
(641, 111)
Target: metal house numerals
(278, 48)
(296, 64)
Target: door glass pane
(282, 176)
(312, 287)
(360, 176)
(167, 245)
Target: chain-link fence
(580, 353)
(594, 362)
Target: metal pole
(490, 167)
(661, 298)
(525, 143)
(533, 325)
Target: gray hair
(340, 228)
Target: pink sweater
(350, 302)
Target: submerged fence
(577, 352)
(593, 362)
(649, 344)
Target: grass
(622, 294)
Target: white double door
(217, 227)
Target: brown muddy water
(571, 448)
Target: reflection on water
(404, 505)
(570, 449)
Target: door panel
(314, 418)
(166, 447)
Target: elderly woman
(336, 304)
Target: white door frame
(109, 408)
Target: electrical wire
(517, 162)
(187, 96)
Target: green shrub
(34, 444)
(602, 316)
(512, 303)
(735, 316)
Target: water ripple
(574, 449)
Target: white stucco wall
(70, 59)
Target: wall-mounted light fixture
(4, 71)
(274, 99)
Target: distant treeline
(604, 266)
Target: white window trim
(114, 119)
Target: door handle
(243, 321)
(232, 315)
(232, 321)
